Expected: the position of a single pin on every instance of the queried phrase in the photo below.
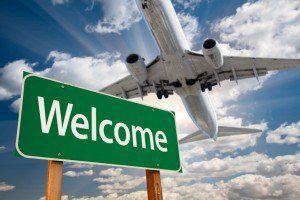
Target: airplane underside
(178, 69)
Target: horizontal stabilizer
(223, 131)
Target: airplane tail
(223, 132)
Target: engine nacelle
(212, 53)
(137, 68)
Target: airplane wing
(236, 68)
(223, 132)
(128, 87)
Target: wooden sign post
(154, 188)
(54, 180)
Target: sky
(85, 43)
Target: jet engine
(137, 68)
(212, 53)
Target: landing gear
(145, 4)
(209, 86)
(176, 84)
(166, 94)
(204, 86)
(162, 93)
(159, 94)
(163, 89)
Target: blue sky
(75, 41)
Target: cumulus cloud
(263, 28)
(113, 181)
(255, 163)
(15, 106)
(58, 56)
(280, 165)
(190, 27)
(227, 166)
(98, 70)
(259, 187)
(247, 186)
(59, 2)
(5, 187)
(63, 197)
(122, 186)
(11, 78)
(118, 15)
(2, 148)
(111, 172)
(77, 70)
(259, 28)
(80, 173)
(188, 4)
(72, 165)
(263, 178)
(285, 134)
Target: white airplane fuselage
(164, 24)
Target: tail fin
(223, 132)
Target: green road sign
(58, 121)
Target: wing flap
(268, 63)
(237, 68)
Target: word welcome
(121, 133)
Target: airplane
(188, 73)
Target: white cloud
(115, 178)
(80, 173)
(58, 56)
(136, 195)
(59, 2)
(276, 178)
(189, 4)
(263, 28)
(190, 27)
(101, 70)
(111, 172)
(259, 28)
(197, 190)
(11, 78)
(2, 148)
(280, 165)
(63, 197)
(77, 70)
(113, 181)
(228, 166)
(252, 163)
(247, 186)
(5, 187)
(72, 165)
(122, 186)
(192, 153)
(229, 92)
(285, 134)
(15, 106)
(118, 15)
(259, 187)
